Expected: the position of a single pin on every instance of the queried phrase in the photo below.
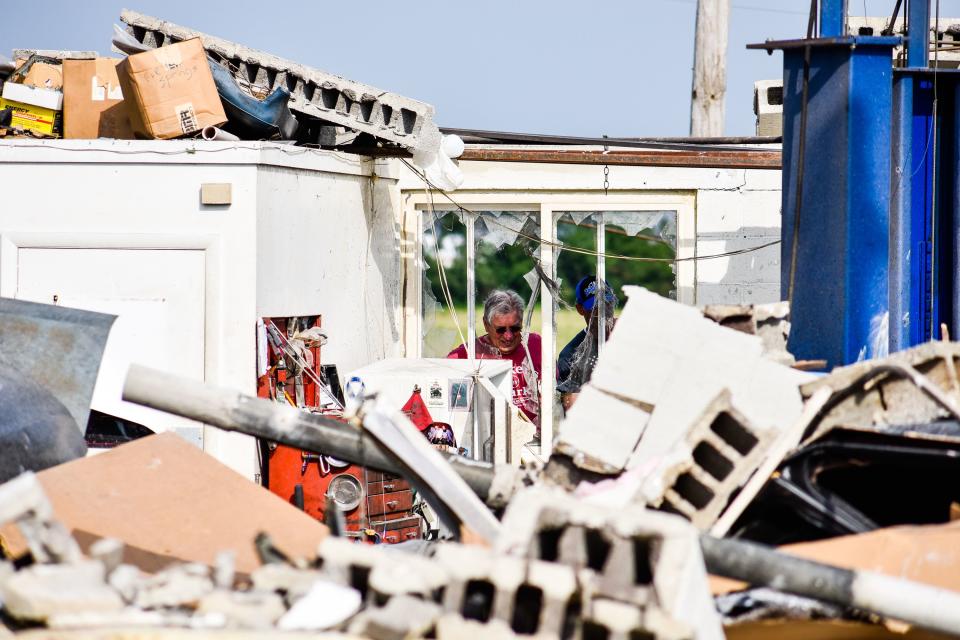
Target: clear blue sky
(621, 68)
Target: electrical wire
(574, 249)
(283, 148)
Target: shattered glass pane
(650, 235)
(443, 243)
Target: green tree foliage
(505, 268)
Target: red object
(385, 501)
(417, 411)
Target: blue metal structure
(836, 161)
(871, 202)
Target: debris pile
(180, 83)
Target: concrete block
(601, 445)
(648, 560)
(669, 357)
(126, 580)
(721, 452)
(181, 585)
(314, 93)
(225, 569)
(402, 617)
(109, 551)
(282, 578)
(40, 591)
(403, 574)
(452, 626)
(243, 609)
(768, 107)
(525, 596)
(785, 442)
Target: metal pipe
(918, 33)
(912, 602)
(233, 411)
(215, 133)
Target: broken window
(600, 252)
(486, 249)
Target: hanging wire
(291, 352)
(574, 249)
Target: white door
(158, 298)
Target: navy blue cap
(586, 293)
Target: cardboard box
(33, 108)
(93, 105)
(44, 75)
(170, 91)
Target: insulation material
(168, 501)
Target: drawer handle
(392, 504)
(390, 539)
(387, 487)
(411, 534)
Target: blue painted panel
(840, 294)
(833, 14)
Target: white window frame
(549, 206)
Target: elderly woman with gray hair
(504, 340)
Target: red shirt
(524, 397)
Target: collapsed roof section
(314, 93)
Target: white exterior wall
(304, 229)
(732, 209)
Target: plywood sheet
(168, 501)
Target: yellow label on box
(32, 117)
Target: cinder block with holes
(768, 107)
(529, 597)
(721, 452)
(315, 93)
(631, 555)
(379, 574)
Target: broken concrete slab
(214, 507)
(770, 322)
(37, 592)
(315, 93)
(28, 524)
(865, 394)
(324, 606)
(601, 431)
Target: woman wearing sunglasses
(506, 340)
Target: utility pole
(709, 68)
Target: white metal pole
(548, 382)
(600, 298)
(470, 221)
